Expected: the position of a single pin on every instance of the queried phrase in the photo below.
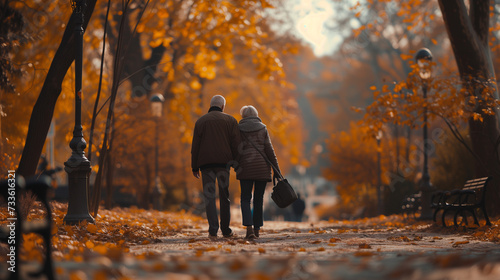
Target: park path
(376, 248)
(326, 250)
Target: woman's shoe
(256, 232)
(250, 234)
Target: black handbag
(283, 193)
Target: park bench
(470, 199)
(411, 204)
(39, 188)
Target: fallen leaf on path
(77, 275)
(237, 264)
(258, 276)
(399, 238)
(363, 254)
(92, 228)
(364, 246)
(458, 243)
(89, 244)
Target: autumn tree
(43, 110)
(453, 163)
(468, 97)
(11, 35)
(185, 39)
(32, 48)
(353, 156)
(468, 28)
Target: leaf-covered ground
(139, 244)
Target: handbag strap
(264, 156)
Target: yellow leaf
(266, 4)
(77, 275)
(460, 243)
(100, 249)
(363, 254)
(89, 244)
(434, 41)
(101, 275)
(92, 228)
(364, 246)
(195, 85)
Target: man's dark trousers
(209, 175)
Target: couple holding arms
(220, 142)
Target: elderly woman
(254, 170)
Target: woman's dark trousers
(258, 201)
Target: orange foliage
(205, 41)
(353, 155)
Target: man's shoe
(212, 237)
(229, 235)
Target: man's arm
(236, 139)
(195, 150)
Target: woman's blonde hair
(249, 111)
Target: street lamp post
(378, 137)
(156, 109)
(424, 59)
(78, 166)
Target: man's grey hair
(218, 101)
(249, 111)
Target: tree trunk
(468, 32)
(138, 70)
(109, 181)
(42, 113)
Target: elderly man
(214, 148)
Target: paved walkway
(385, 248)
(328, 251)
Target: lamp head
(157, 104)
(424, 61)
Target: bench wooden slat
(470, 198)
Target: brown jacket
(252, 166)
(215, 140)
